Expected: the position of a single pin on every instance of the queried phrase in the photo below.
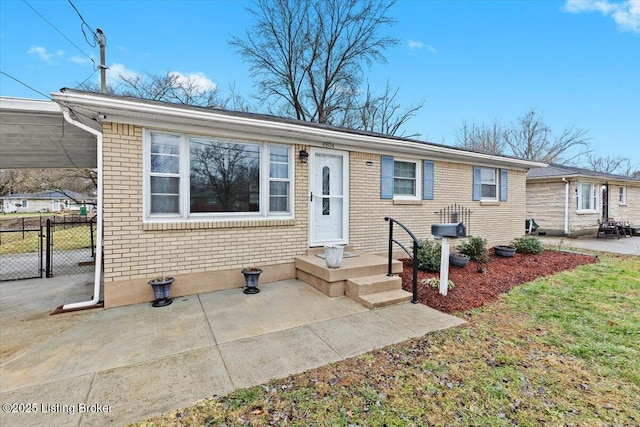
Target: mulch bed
(473, 289)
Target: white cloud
(44, 55)
(625, 14)
(197, 80)
(79, 59)
(413, 44)
(115, 72)
(432, 49)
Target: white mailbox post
(446, 231)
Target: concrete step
(367, 285)
(382, 299)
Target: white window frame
(594, 198)
(496, 183)
(184, 188)
(418, 179)
(622, 195)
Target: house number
(328, 145)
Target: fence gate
(59, 245)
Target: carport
(38, 134)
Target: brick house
(565, 200)
(201, 193)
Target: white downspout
(98, 264)
(566, 206)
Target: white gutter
(566, 206)
(135, 110)
(98, 264)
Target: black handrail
(416, 245)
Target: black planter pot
(504, 251)
(458, 260)
(161, 291)
(251, 281)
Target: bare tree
(607, 164)
(616, 165)
(532, 139)
(309, 55)
(481, 138)
(383, 114)
(67, 181)
(168, 87)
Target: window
(401, 179)
(404, 178)
(623, 195)
(487, 186)
(25, 203)
(587, 197)
(197, 177)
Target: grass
(563, 350)
(63, 238)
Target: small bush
(475, 247)
(527, 245)
(429, 255)
(434, 282)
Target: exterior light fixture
(304, 156)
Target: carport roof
(35, 135)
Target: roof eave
(116, 109)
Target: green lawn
(563, 350)
(63, 239)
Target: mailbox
(450, 229)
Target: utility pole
(103, 66)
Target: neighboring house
(201, 193)
(565, 200)
(45, 201)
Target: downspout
(98, 264)
(566, 206)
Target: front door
(329, 201)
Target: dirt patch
(473, 289)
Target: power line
(25, 85)
(60, 32)
(96, 39)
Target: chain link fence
(46, 246)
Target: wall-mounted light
(369, 163)
(303, 156)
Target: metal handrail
(414, 257)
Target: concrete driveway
(125, 364)
(623, 245)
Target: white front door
(329, 197)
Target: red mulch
(473, 289)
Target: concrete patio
(623, 246)
(126, 364)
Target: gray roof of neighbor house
(560, 171)
(49, 195)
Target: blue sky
(577, 62)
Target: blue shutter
(477, 183)
(427, 181)
(386, 177)
(504, 185)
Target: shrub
(527, 245)
(475, 247)
(429, 255)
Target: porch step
(367, 285)
(382, 299)
(332, 281)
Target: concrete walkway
(624, 245)
(126, 364)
